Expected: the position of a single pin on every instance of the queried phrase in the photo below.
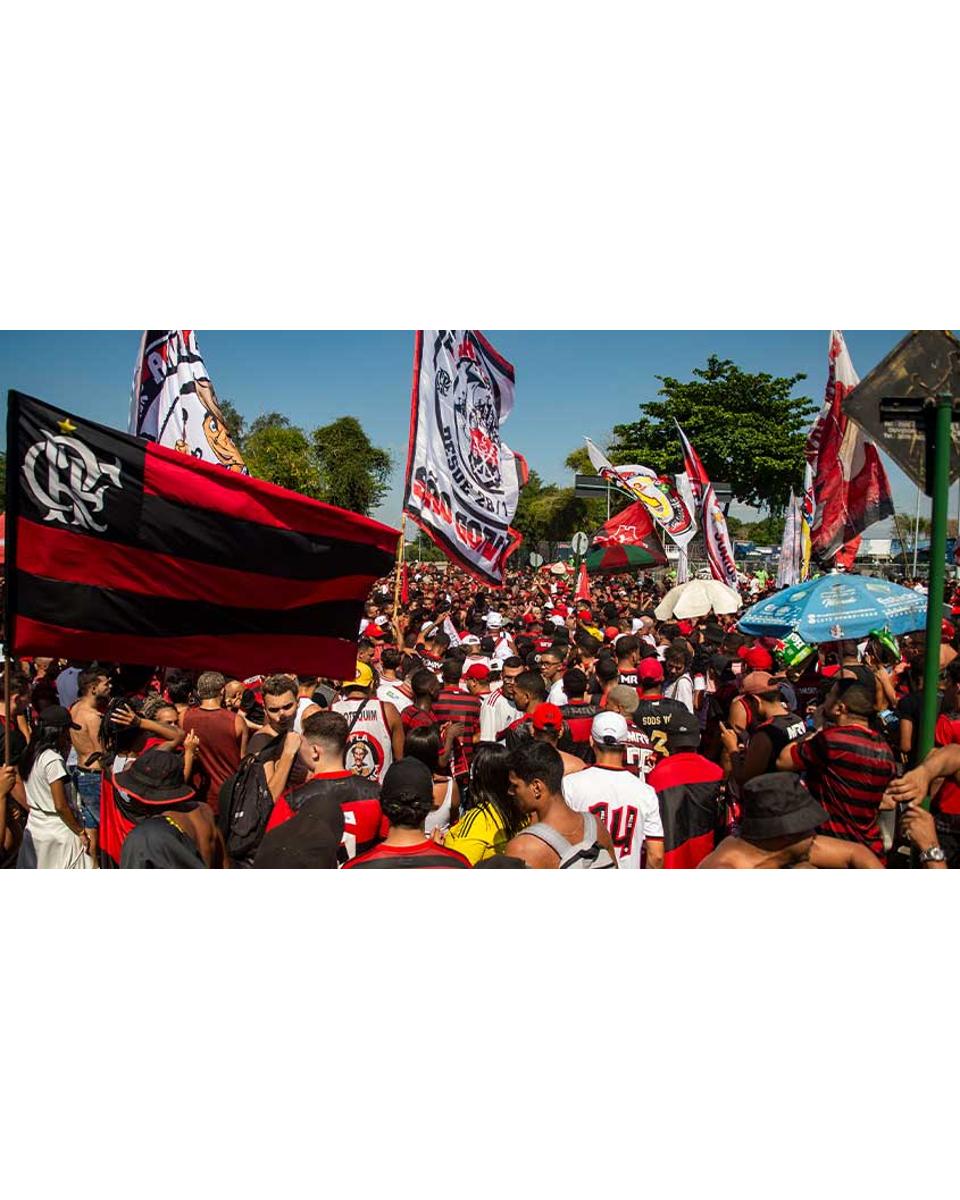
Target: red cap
(685, 627)
(650, 670)
(584, 615)
(478, 671)
(611, 632)
(528, 618)
(372, 630)
(758, 659)
(547, 716)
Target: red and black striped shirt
(848, 768)
(454, 705)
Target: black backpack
(246, 804)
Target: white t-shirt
(681, 689)
(48, 768)
(389, 692)
(628, 807)
(557, 695)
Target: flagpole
(399, 568)
(6, 709)
(916, 533)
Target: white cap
(609, 729)
(381, 621)
(556, 620)
(494, 620)
(470, 640)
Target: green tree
(768, 532)
(282, 453)
(547, 513)
(354, 473)
(336, 463)
(747, 428)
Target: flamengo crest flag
(463, 483)
(712, 520)
(173, 402)
(850, 486)
(126, 551)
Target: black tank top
(781, 731)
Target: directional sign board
(888, 404)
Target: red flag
(126, 551)
(712, 521)
(583, 585)
(850, 486)
(404, 586)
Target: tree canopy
(336, 463)
(749, 430)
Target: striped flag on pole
(712, 520)
(127, 551)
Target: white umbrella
(697, 598)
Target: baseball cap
(650, 670)
(471, 639)
(757, 658)
(407, 775)
(57, 717)
(683, 731)
(758, 682)
(555, 619)
(494, 620)
(547, 716)
(611, 632)
(478, 671)
(362, 679)
(372, 630)
(609, 729)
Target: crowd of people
(512, 728)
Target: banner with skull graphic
(463, 482)
(174, 403)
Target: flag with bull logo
(463, 483)
(126, 551)
(173, 401)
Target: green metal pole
(938, 551)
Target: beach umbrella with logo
(834, 607)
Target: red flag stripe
(174, 477)
(63, 554)
(242, 655)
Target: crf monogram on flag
(140, 554)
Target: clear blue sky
(568, 383)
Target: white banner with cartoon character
(174, 403)
(463, 482)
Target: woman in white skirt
(54, 836)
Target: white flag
(174, 403)
(790, 568)
(463, 482)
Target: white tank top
(369, 749)
(302, 705)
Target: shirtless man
(779, 829)
(536, 777)
(547, 724)
(93, 693)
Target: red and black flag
(127, 551)
(688, 788)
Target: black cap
(408, 775)
(778, 805)
(57, 717)
(683, 732)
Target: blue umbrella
(837, 606)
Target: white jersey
(628, 807)
(390, 693)
(369, 749)
(496, 713)
(557, 695)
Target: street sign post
(536, 560)
(908, 403)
